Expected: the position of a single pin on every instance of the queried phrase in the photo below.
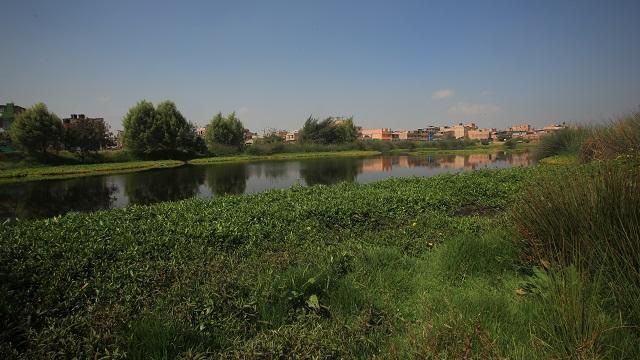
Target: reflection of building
(376, 134)
(8, 114)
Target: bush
(622, 138)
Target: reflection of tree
(49, 198)
(329, 171)
(227, 178)
(147, 187)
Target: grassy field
(69, 171)
(283, 156)
(403, 268)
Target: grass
(283, 156)
(476, 149)
(620, 138)
(70, 171)
(392, 269)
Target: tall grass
(562, 142)
(589, 216)
(621, 138)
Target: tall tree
(227, 131)
(86, 135)
(36, 130)
(161, 131)
(328, 131)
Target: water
(48, 198)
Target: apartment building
(291, 136)
(376, 134)
(8, 113)
(481, 134)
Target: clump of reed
(562, 142)
(589, 217)
(621, 138)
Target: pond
(38, 199)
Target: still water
(47, 198)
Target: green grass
(392, 269)
(283, 156)
(69, 171)
(476, 149)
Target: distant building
(481, 134)
(461, 131)
(376, 134)
(74, 118)
(521, 128)
(8, 114)
(553, 127)
(201, 131)
(291, 136)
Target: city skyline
(404, 66)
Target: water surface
(37, 199)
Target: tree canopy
(86, 135)
(161, 131)
(226, 131)
(36, 130)
(328, 131)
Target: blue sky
(399, 64)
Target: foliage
(620, 138)
(328, 131)
(87, 135)
(510, 143)
(271, 273)
(158, 132)
(224, 132)
(36, 130)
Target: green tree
(36, 130)
(225, 131)
(86, 135)
(328, 131)
(158, 132)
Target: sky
(398, 64)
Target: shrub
(621, 138)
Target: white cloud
(462, 108)
(443, 94)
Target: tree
(36, 130)
(227, 131)
(86, 135)
(158, 132)
(328, 131)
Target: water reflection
(329, 171)
(227, 179)
(154, 186)
(48, 198)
